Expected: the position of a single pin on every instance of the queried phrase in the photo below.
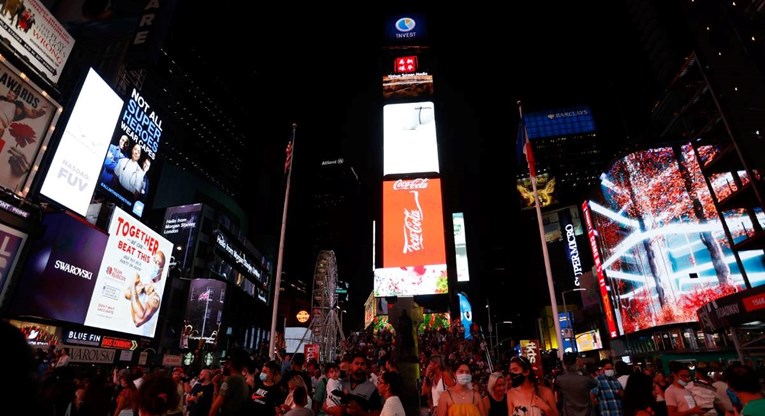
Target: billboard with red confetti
(661, 242)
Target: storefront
(742, 316)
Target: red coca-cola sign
(413, 223)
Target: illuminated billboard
(27, 120)
(409, 138)
(128, 290)
(588, 341)
(181, 227)
(460, 247)
(546, 191)
(661, 241)
(561, 224)
(59, 275)
(126, 174)
(411, 281)
(561, 122)
(35, 34)
(413, 227)
(369, 310)
(73, 172)
(409, 76)
(405, 29)
(204, 311)
(11, 244)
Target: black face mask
(343, 374)
(517, 379)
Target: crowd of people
(455, 380)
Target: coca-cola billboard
(413, 223)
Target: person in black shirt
(267, 394)
(200, 398)
(296, 368)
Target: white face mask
(464, 378)
(152, 273)
(609, 373)
(682, 383)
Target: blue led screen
(556, 123)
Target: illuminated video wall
(662, 245)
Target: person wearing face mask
(145, 293)
(680, 401)
(527, 397)
(607, 395)
(267, 394)
(461, 399)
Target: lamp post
(565, 310)
(496, 334)
(488, 312)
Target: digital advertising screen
(11, 243)
(546, 191)
(411, 281)
(59, 274)
(561, 224)
(561, 122)
(369, 310)
(460, 247)
(126, 174)
(413, 223)
(204, 310)
(27, 119)
(661, 241)
(39, 335)
(132, 277)
(408, 76)
(588, 341)
(34, 33)
(73, 171)
(406, 29)
(409, 138)
(181, 227)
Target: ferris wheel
(325, 326)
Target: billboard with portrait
(204, 310)
(131, 279)
(73, 171)
(126, 174)
(588, 341)
(59, 274)
(662, 244)
(409, 138)
(27, 117)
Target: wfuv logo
(405, 24)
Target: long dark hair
(525, 365)
(638, 395)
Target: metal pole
(488, 308)
(545, 254)
(278, 280)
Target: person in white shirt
(63, 360)
(389, 387)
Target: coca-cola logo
(413, 218)
(409, 184)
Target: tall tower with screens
(413, 238)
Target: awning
(741, 308)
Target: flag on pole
(288, 157)
(205, 296)
(524, 145)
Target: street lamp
(496, 334)
(565, 310)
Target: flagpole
(204, 318)
(278, 279)
(546, 255)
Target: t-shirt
(754, 408)
(266, 398)
(320, 394)
(204, 397)
(365, 394)
(679, 397)
(393, 407)
(234, 391)
(299, 411)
